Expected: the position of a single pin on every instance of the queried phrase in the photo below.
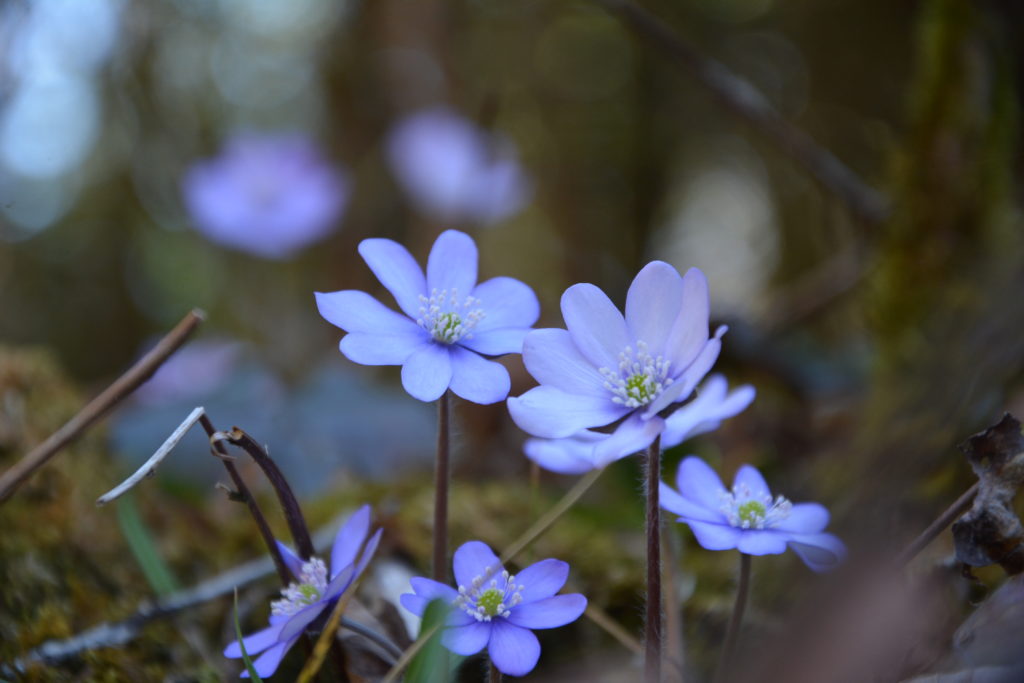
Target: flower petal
(355, 311)
(255, 643)
(427, 372)
(597, 328)
(397, 270)
(469, 639)
(430, 589)
(477, 379)
(633, 435)
(755, 542)
(378, 349)
(571, 455)
(542, 579)
(340, 582)
(653, 303)
(748, 476)
(368, 550)
(687, 510)
(506, 302)
(473, 559)
(705, 412)
(552, 612)
(820, 552)
(805, 518)
(496, 342)
(414, 603)
(293, 561)
(690, 329)
(267, 663)
(349, 539)
(554, 414)
(298, 622)
(452, 263)
(513, 650)
(715, 536)
(553, 359)
(698, 483)
(685, 383)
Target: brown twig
(746, 102)
(439, 568)
(99, 406)
(935, 528)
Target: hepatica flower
(266, 195)
(450, 321)
(313, 593)
(580, 453)
(748, 518)
(498, 610)
(606, 367)
(455, 171)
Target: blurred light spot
(586, 57)
(61, 36)
(295, 20)
(28, 206)
(252, 77)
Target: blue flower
(497, 610)
(455, 171)
(606, 368)
(314, 592)
(588, 450)
(449, 320)
(266, 195)
(748, 518)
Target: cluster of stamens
(309, 589)
(639, 378)
(484, 599)
(448, 319)
(747, 510)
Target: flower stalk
(439, 567)
(652, 626)
(736, 620)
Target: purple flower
(606, 368)
(314, 592)
(269, 196)
(497, 610)
(748, 518)
(580, 453)
(449, 319)
(455, 171)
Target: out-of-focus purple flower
(266, 195)
(455, 171)
(497, 610)
(449, 319)
(314, 591)
(606, 368)
(748, 518)
(578, 453)
(194, 371)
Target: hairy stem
(941, 522)
(736, 620)
(652, 626)
(441, 478)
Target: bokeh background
(231, 154)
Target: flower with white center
(312, 594)
(607, 367)
(748, 518)
(450, 321)
(497, 610)
(588, 450)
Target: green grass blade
(140, 541)
(433, 663)
(245, 655)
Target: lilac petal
(355, 311)
(377, 349)
(598, 329)
(690, 329)
(506, 302)
(572, 455)
(748, 476)
(820, 552)
(553, 359)
(298, 622)
(452, 264)
(368, 551)
(653, 304)
(427, 372)
(554, 414)
(513, 650)
(473, 559)
(293, 561)
(469, 639)
(698, 483)
(431, 590)
(805, 518)
(705, 412)
(255, 643)
(414, 603)
(397, 270)
(755, 542)
(687, 510)
(685, 383)
(633, 435)
(477, 379)
(417, 604)
(715, 536)
(267, 663)
(496, 342)
(542, 579)
(339, 583)
(552, 612)
(349, 539)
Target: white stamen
(639, 378)
(308, 590)
(497, 600)
(448, 319)
(746, 509)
